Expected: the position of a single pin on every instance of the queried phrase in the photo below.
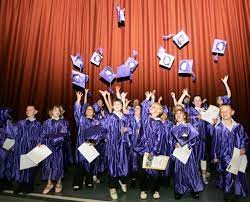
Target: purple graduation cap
(166, 60)
(181, 39)
(186, 67)
(108, 74)
(161, 51)
(123, 71)
(96, 108)
(184, 134)
(97, 57)
(219, 48)
(132, 62)
(120, 13)
(77, 61)
(79, 78)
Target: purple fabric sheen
(224, 142)
(27, 137)
(186, 176)
(53, 165)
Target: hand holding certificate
(210, 114)
(182, 153)
(39, 153)
(26, 163)
(155, 162)
(8, 143)
(88, 151)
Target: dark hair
(197, 95)
(31, 105)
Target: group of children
(122, 134)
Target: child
(83, 122)
(228, 135)
(151, 141)
(27, 136)
(186, 176)
(54, 130)
(117, 145)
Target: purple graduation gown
(186, 176)
(27, 137)
(117, 145)
(83, 123)
(152, 137)
(224, 142)
(52, 135)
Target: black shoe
(195, 195)
(133, 183)
(177, 196)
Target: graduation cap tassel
(216, 58)
(193, 76)
(100, 51)
(135, 54)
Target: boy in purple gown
(186, 176)
(151, 140)
(83, 121)
(6, 156)
(226, 99)
(27, 136)
(53, 132)
(229, 135)
(117, 144)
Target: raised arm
(117, 92)
(109, 100)
(184, 94)
(104, 93)
(77, 107)
(86, 96)
(174, 98)
(224, 81)
(124, 104)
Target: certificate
(155, 162)
(88, 151)
(8, 143)
(39, 153)
(211, 113)
(26, 163)
(182, 153)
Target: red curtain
(38, 36)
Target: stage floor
(100, 193)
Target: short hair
(32, 105)
(227, 105)
(52, 108)
(185, 113)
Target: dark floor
(100, 193)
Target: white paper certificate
(156, 162)
(26, 163)
(8, 143)
(39, 153)
(88, 151)
(211, 113)
(182, 153)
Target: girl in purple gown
(27, 136)
(186, 176)
(151, 140)
(229, 135)
(83, 121)
(53, 132)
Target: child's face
(137, 110)
(100, 103)
(180, 116)
(56, 112)
(219, 101)
(155, 110)
(30, 111)
(89, 112)
(117, 106)
(135, 102)
(197, 101)
(226, 112)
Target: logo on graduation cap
(79, 78)
(166, 60)
(186, 67)
(97, 57)
(181, 39)
(107, 74)
(219, 46)
(132, 63)
(77, 61)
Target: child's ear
(232, 113)
(36, 111)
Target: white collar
(230, 128)
(54, 118)
(119, 114)
(156, 118)
(31, 118)
(179, 123)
